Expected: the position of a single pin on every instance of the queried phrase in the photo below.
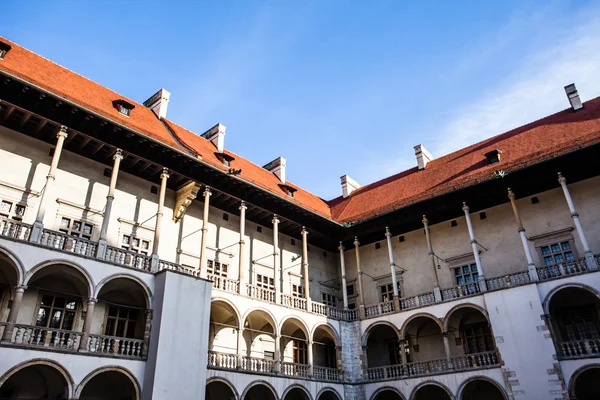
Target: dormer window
(288, 189)
(123, 107)
(493, 156)
(4, 48)
(226, 159)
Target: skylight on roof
(123, 107)
(4, 48)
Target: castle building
(140, 260)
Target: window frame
(329, 299)
(127, 319)
(217, 268)
(14, 205)
(264, 282)
(297, 291)
(76, 233)
(484, 336)
(68, 299)
(389, 290)
(137, 248)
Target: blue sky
(336, 87)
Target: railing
(117, 346)
(127, 258)
(327, 374)
(508, 281)
(222, 360)
(171, 266)
(378, 309)
(469, 289)
(261, 293)
(420, 368)
(14, 229)
(386, 372)
(73, 244)
(419, 300)
(561, 269)
(261, 365)
(294, 302)
(352, 315)
(222, 283)
(37, 336)
(295, 369)
(328, 311)
(475, 361)
(578, 348)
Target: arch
(270, 317)
(16, 263)
(461, 388)
(134, 278)
(224, 381)
(109, 368)
(548, 298)
(386, 388)
(296, 386)
(328, 328)
(578, 372)
(259, 383)
(371, 327)
(233, 308)
(458, 307)
(303, 326)
(328, 390)
(420, 315)
(40, 361)
(86, 276)
(413, 394)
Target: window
(300, 351)
(387, 291)
(377, 245)
(477, 338)
(579, 323)
(9, 209)
(401, 238)
(453, 223)
(350, 289)
(269, 355)
(482, 215)
(466, 274)
(298, 291)
(76, 228)
(123, 110)
(394, 352)
(351, 306)
(4, 48)
(263, 281)
(330, 356)
(216, 268)
(123, 107)
(293, 241)
(135, 244)
(56, 312)
(557, 253)
(329, 299)
(258, 228)
(121, 322)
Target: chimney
(158, 103)
(216, 135)
(277, 166)
(349, 185)
(573, 96)
(423, 156)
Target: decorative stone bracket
(184, 197)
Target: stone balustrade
(225, 284)
(127, 258)
(475, 361)
(35, 336)
(14, 229)
(352, 315)
(465, 290)
(578, 349)
(328, 311)
(397, 371)
(294, 302)
(261, 293)
(171, 266)
(259, 365)
(116, 346)
(65, 242)
(385, 307)
(295, 369)
(554, 271)
(419, 300)
(327, 374)
(508, 281)
(222, 360)
(422, 368)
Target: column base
(101, 250)
(396, 303)
(437, 294)
(533, 275)
(591, 261)
(154, 263)
(36, 232)
(482, 284)
(241, 287)
(361, 312)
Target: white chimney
(349, 185)
(158, 103)
(423, 156)
(277, 166)
(573, 96)
(216, 135)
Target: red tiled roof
(546, 138)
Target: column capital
(207, 191)
(388, 234)
(561, 179)
(304, 231)
(425, 220)
(243, 205)
(465, 207)
(511, 194)
(62, 132)
(20, 288)
(356, 242)
(118, 154)
(341, 246)
(92, 300)
(275, 219)
(445, 334)
(165, 173)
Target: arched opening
(387, 394)
(294, 347)
(122, 304)
(38, 381)
(481, 389)
(425, 343)
(585, 385)
(9, 279)
(219, 390)
(575, 321)
(109, 385)
(324, 348)
(383, 346)
(469, 332)
(223, 333)
(432, 392)
(296, 394)
(259, 342)
(328, 395)
(259, 392)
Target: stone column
(482, 284)
(533, 276)
(241, 266)
(13, 313)
(361, 298)
(207, 193)
(154, 260)
(437, 294)
(276, 269)
(305, 269)
(240, 350)
(277, 354)
(309, 348)
(343, 273)
(447, 349)
(38, 225)
(147, 330)
(388, 237)
(403, 344)
(101, 252)
(87, 324)
(589, 257)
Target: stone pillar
(305, 269)
(533, 276)
(241, 266)
(361, 298)
(154, 260)
(13, 313)
(240, 349)
(403, 351)
(388, 237)
(277, 354)
(589, 257)
(207, 193)
(101, 252)
(276, 269)
(437, 294)
(87, 324)
(343, 273)
(309, 349)
(482, 284)
(447, 349)
(147, 331)
(38, 225)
